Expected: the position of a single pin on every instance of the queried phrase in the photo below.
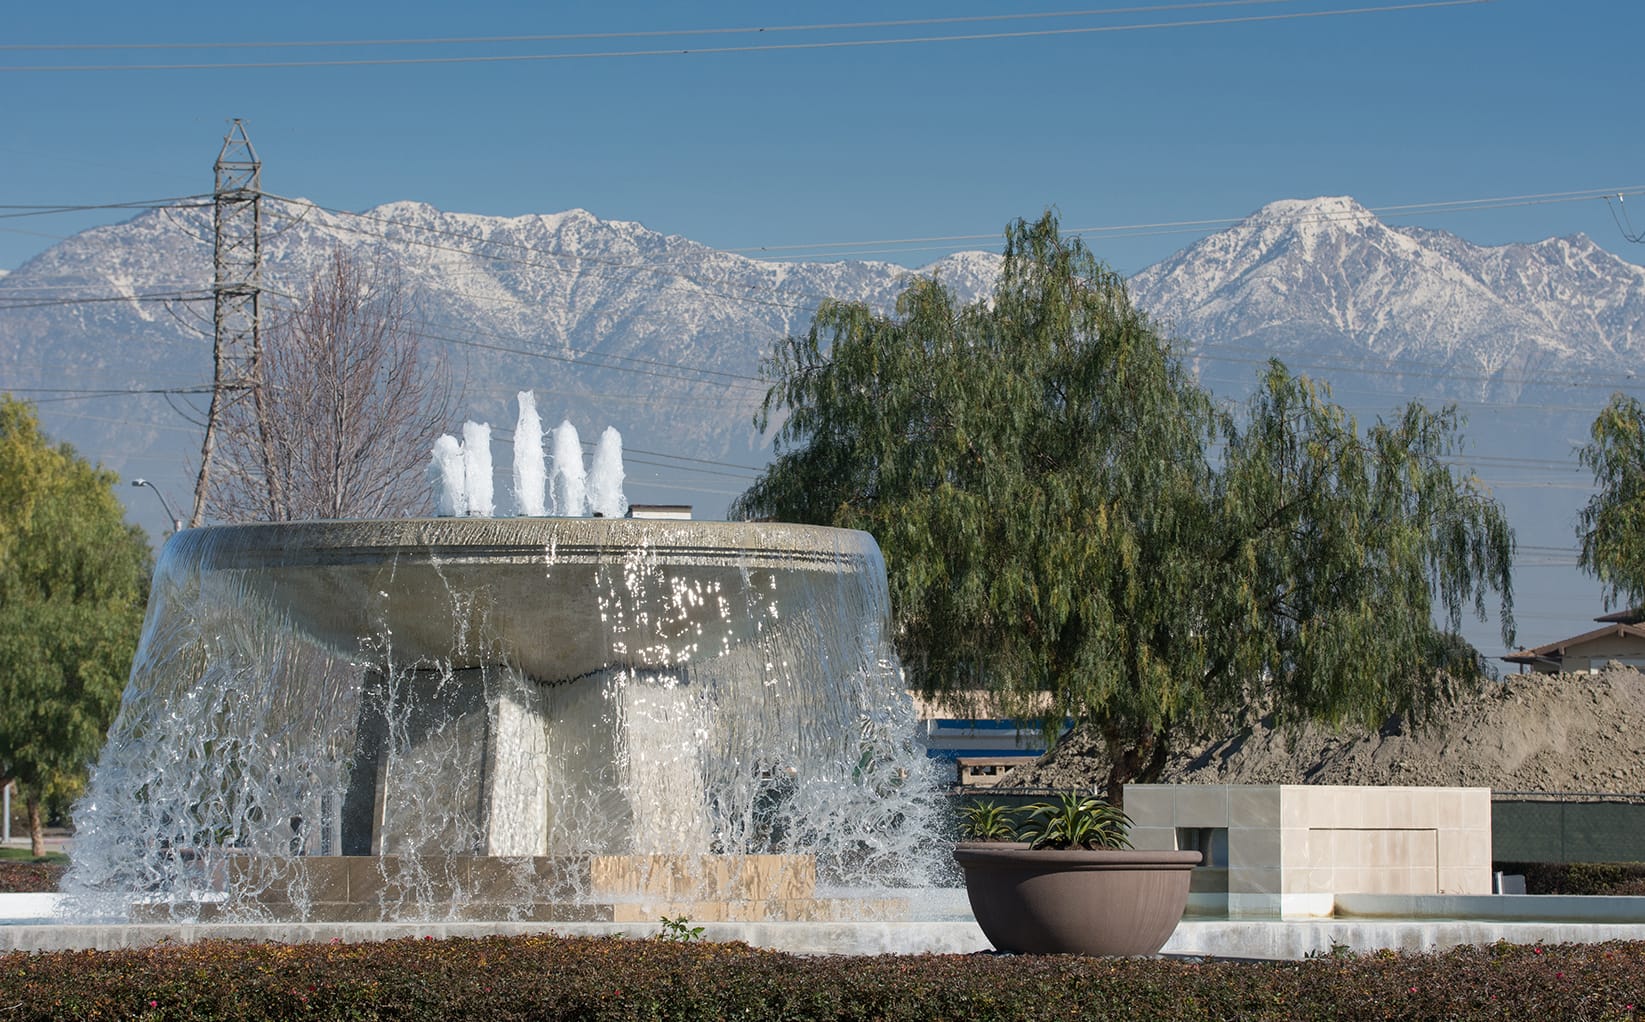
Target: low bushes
(1614, 878)
(500, 979)
(25, 877)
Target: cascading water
(465, 717)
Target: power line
(169, 296)
(177, 285)
(86, 392)
(1196, 226)
(1222, 353)
(1405, 209)
(34, 234)
(741, 379)
(570, 360)
(1434, 370)
(701, 461)
(753, 48)
(507, 436)
(703, 284)
(641, 34)
(165, 427)
(1619, 213)
(14, 211)
(1408, 209)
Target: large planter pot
(1120, 902)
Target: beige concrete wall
(1292, 848)
(1593, 656)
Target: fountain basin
(555, 598)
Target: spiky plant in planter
(988, 821)
(1075, 820)
(1072, 884)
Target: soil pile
(1527, 732)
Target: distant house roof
(1624, 617)
(1553, 654)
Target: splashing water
(477, 468)
(530, 476)
(570, 487)
(605, 479)
(474, 715)
(460, 471)
(446, 472)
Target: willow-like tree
(1611, 526)
(1071, 523)
(73, 580)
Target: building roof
(1632, 616)
(1554, 652)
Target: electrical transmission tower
(237, 255)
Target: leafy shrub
(25, 877)
(680, 929)
(512, 979)
(1602, 878)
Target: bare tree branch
(348, 407)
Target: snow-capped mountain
(613, 323)
(1324, 277)
(608, 321)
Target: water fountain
(467, 725)
(510, 718)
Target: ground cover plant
(1591, 878)
(500, 979)
(30, 875)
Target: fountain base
(595, 888)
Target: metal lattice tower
(237, 256)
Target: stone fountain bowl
(557, 598)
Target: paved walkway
(56, 840)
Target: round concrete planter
(1075, 901)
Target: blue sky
(830, 150)
(839, 145)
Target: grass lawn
(22, 855)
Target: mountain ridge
(662, 336)
(1326, 275)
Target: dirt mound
(1528, 732)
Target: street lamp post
(176, 523)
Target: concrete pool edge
(1362, 922)
(1215, 938)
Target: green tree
(73, 580)
(1611, 525)
(1069, 521)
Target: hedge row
(499, 979)
(20, 876)
(1613, 878)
